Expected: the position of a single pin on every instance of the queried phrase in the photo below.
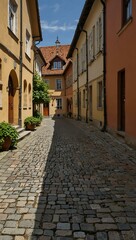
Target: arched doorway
(13, 98)
(11, 101)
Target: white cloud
(56, 7)
(53, 26)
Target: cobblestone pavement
(66, 181)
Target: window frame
(127, 11)
(28, 44)
(57, 65)
(58, 88)
(59, 103)
(12, 22)
(100, 95)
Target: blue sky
(59, 18)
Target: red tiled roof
(49, 53)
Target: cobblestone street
(66, 181)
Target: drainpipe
(21, 66)
(78, 116)
(86, 75)
(104, 65)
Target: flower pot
(7, 143)
(30, 127)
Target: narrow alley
(66, 181)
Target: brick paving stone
(102, 227)
(6, 237)
(128, 235)
(87, 227)
(68, 172)
(102, 236)
(79, 235)
(63, 226)
(75, 227)
(19, 238)
(49, 226)
(3, 216)
(48, 232)
(63, 233)
(11, 224)
(114, 235)
(13, 231)
(123, 226)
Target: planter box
(7, 143)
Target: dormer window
(57, 65)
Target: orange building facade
(121, 68)
(53, 75)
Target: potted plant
(38, 116)
(8, 136)
(30, 123)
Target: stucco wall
(121, 54)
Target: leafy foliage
(6, 130)
(37, 114)
(30, 120)
(40, 90)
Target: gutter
(21, 66)
(104, 65)
(78, 116)
(86, 76)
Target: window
(84, 57)
(59, 103)
(30, 96)
(74, 70)
(84, 98)
(57, 65)
(75, 98)
(25, 94)
(100, 94)
(127, 10)
(28, 47)
(99, 32)
(12, 16)
(58, 84)
(91, 45)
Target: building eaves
(35, 20)
(83, 17)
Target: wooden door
(11, 101)
(121, 112)
(46, 109)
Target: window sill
(91, 61)
(1, 83)
(28, 57)
(125, 26)
(99, 53)
(12, 34)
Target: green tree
(40, 90)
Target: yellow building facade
(19, 28)
(87, 54)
